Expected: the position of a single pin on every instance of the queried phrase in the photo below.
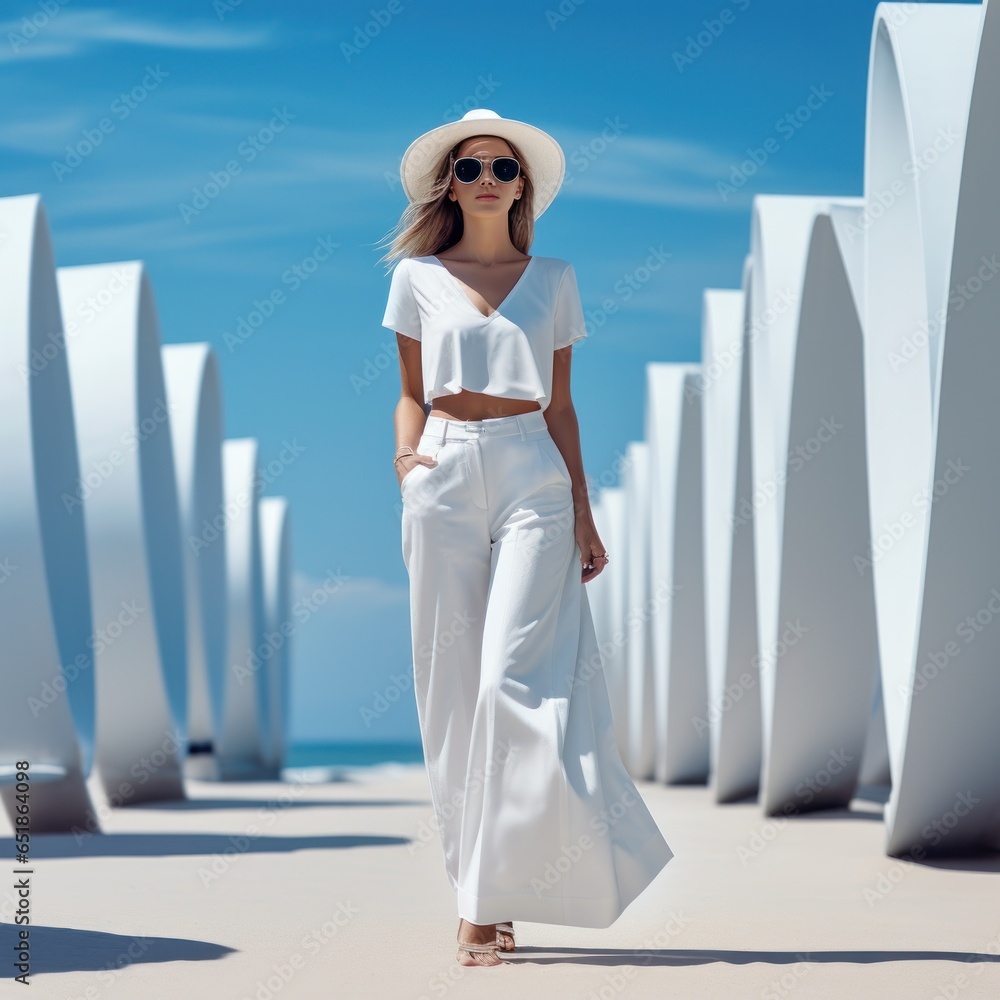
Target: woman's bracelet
(400, 453)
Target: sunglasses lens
(506, 169)
(468, 169)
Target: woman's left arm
(560, 415)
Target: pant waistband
(445, 429)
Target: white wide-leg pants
(539, 819)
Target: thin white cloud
(73, 31)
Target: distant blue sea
(352, 754)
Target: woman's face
(486, 196)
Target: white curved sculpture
(677, 588)
(276, 566)
(736, 773)
(639, 756)
(191, 373)
(824, 672)
(241, 751)
(607, 599)
(931, 267)
(47, 713)
(128, 493)
(735, 759)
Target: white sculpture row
(812, 517)
(142, 572)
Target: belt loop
(520, 426)
(444, 432)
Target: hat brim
(545, 162)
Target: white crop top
(509, 352)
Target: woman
(538, 818)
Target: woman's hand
(591, 548)
(407, 462)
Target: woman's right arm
(410, 416)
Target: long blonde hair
(435, 223)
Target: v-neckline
(465, 294)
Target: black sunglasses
(468, 169)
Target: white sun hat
(543, 157)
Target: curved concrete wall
(133, 529)
(242, 747)
(608, 597)
(192, 381)
(677, 591)
(47, 714)
(276, 566)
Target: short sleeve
(570, 325)
(401, 313)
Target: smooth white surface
(246, 726)
(641, 750)
(133, 529)
(677, 591)
(191, 374)
(920, 79)
(951, 741)
(276, 568)
(47, 715)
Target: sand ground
(337, 890)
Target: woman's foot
(505, 935)
(482, 938)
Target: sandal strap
(477, 947)
(506, 928)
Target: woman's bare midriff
(467, 405)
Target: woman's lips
(485, 197)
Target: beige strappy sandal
(480, 949)
(508, 930)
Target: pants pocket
(424, 447)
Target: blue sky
(248, 153)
